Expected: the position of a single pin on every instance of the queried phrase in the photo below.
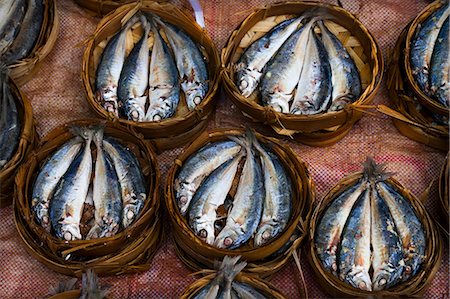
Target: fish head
(387, 277)
(132, 209)
(205, 231)
(107, 97)
(227, 238)
(279, 102)
(195, 93)
(359, 278)
(265, 233)
(134, 110)
(41, 212)
(248, 81)
(70, 231)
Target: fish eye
(183, 199)
(45, 220)
(203, 233)
(157, 117)
(243, 84)
(408, 269)
(130, 215)
(266, 235)
(197, 100)
(67, 236)
(382, 282)
(362, 285)
(228, 241)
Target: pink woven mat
(57, 97)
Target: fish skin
(28, 33)
(282, 73)
(198, 167)
(387, 254)
(48, 178)
(408, 225)
(250, 65)
(346, 82)
(67, 203)
(164, 84)
(211, 195)
(277, 204)
(354, 253)
(245, 291)
(440, 67)
(422, 46)
(133, 78)
(130, 177)
(110, 68)
(106, 195)
(190, 63)
(245, 215)
(329, 230)
(11, 14)
(10, 125)
(313, 93)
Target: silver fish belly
(106, 195)
(329, 230)
(11, 15)
(346, 82)
(250, 65)
(440, 68)
(422, 46)
(282, 73)
(110, 68)
(277, 203)
(245, 215)
(208, 198)
(190, 63)
(313, 92)
(354, 253)
(164, 84)
(198, 167)
(131, 180)
(409, 226)
(48, 178)
(70, 194)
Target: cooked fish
(440, 68)
(11, 15)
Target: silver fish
(277, 204)
(11, 15)
(245, 291)
(110, 68)
(354, 253)
(440, 67)
(387, 255)
(313, 93)
(250, 65)
(245, 215)
(48, 178)
(133, 78)
(230, 268)
(346, 82)
(67, 203)
(408, 225)
(190, 63)
(164, 84)
(422, 46)
(28, 34)
(329, 230)
(131, 179)
(106, 195)
(282, 73)
(208, 198)
(199, 166)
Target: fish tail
(375, 172)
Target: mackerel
(11, 15)
(440, 67)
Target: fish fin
(90, 286)
(374, 171)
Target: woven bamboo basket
(409, 289)
(355, 37)
(24, 70)
(443, 190)
(185, 125)
(28, 140)
(416, 124)
(73, 294)
(130, 250)
(415, 25)
(258, 284)
(264, 260)
(101, 7)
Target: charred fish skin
(67, 203)
(282, 73)
(422, 46)
(28, 34)
(440, 67)
(190, 63)
(164, 83)
(409, 227)
(110, 68)
(245, 215)
(329, 230)
(346, 82)
(387, 255)
(277, 205)
(133, 78)
(354, 253)
(49, 176)
(250, 65)
(198, 167)
(313, 92)
(130, 177)
(211, 194)
(12, 13)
